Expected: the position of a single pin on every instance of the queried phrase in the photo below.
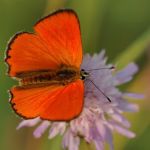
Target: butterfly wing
(28, 53)
(50, 103)
(57, 41)
(61, 32)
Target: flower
(99, 117)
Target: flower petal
(122, 130)
(126, 74)
(70, 141)
(57, 128)
(120, 119)
(128, 107)
(41, 129)
(109, 138)
(28, 123)
(134, 95)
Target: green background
(121, 27)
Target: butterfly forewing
(61, 33)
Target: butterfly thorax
(61, 76)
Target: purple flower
(99, 117)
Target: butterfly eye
(83, 74)
(82, 77)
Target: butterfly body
(62, 76)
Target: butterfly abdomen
(62, 76)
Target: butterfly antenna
(100, 90)
(112, 67)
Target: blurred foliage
(141, 122)
(121, 27)
(134, 51)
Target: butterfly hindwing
(50, 103)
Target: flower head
(99, 117)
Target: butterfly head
(83, 74)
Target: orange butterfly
(47, 65)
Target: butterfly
(46, 64)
